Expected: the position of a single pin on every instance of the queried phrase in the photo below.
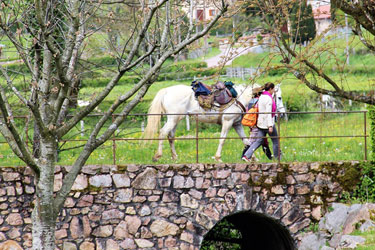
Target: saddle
(207, 95)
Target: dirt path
(227, 55)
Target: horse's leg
(226, 125)
(241, 133)
(171, 140)
(164, 131)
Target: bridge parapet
(173, 206)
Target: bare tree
(306, 62)
(50, 37)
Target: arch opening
(248, 230)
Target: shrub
(365, 190)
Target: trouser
(261, 134)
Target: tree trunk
(44, 215)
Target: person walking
(265, 123)
(254, 130)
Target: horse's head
(279, 101)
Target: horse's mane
(247, 90)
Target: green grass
(131, 150)
(370, 240)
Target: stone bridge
(175, 206)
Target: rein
(240, 105)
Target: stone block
(101, 181)
(121, 180)
(80, 183)
(142, 243)
(161, 228)
(146, 179)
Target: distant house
(322, 16)
(203, 10)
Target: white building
(322, 17)
(203, 10)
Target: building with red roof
(322, 17)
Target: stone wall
(171, 206)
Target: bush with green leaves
(365, 190)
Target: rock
(11, 176)
(86, 226)
(121, 180)
(357, 213)
(103, 231)
(367, 226)
(123, 195)
(60, 234)
(188, 201)
(142, 243)
(221, 174)
(14, 219)
(86, 201)
(87, 246)
(80, 183)
(335, 240)
(75, 228)
(69, 246)
(180, 182)
(130, 210)
(121, 231)
(112, 214)
(162, 228)
(101, 181)
(334, 221)
(128, 244)
(133, 223)
(145, 210)
(146, 179)
(111, 245)
(351, 241)
(312, 242)
(327, 248)
(277, 189)
(10, 245)
(188, 237)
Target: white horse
(180, 100)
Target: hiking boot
(244, 158)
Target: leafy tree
(306, 64)
(51, 47)
(302, 23)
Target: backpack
(251, 116)
(229, 86)
(222, 94)
(200, 88)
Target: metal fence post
(365, 133)
(196, 137)
(278, 139)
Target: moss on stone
(91, 188)
(350, 178)
(281, 178)
(121, 169)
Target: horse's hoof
(156, 158)
(174, 157)
(217, 158)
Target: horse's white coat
(180, 100)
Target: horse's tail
(153, 121)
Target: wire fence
(305, 137)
